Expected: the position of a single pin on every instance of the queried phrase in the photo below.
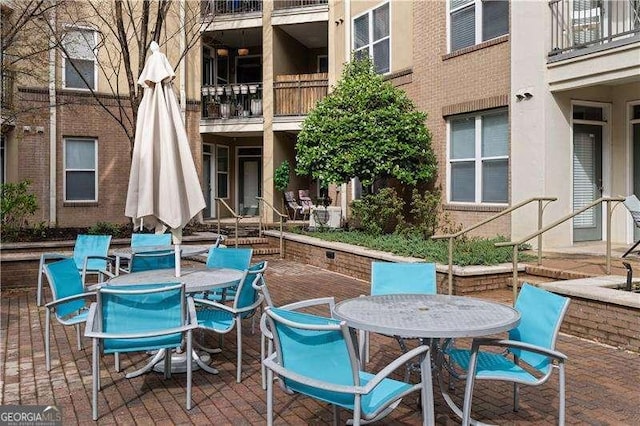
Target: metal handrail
(233, 213)
(451, 237)
(280, 216)
(516, 244)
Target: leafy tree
(365, 128)
(281, 178)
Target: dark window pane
(80, 154)
(362, 53)
(581, 112)
(381, 22)
(495, 135)
(636, 112)
(495, 18)
(81, 186)
(463, 28)
(361, 31)
(73, 77)
(223, 186)
(381, 56)
(495, 181)
(463, 181)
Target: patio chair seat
(493, 365)
(215, 320)
(142, 344)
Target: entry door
(587, 181)
(636, 169)
(250, 180)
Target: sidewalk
(602, 382)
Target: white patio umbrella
(164, 190)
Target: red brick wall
(442, 83)
(78, 115)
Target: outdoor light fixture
(243, 51)
(222, 51)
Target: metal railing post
(237, 220)
(515, 273)
(281, 240)
(218, 214)
(450, 266)
(608, 260)
(539, 236)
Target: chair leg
(116, 359)
(516, 390)
(167, 363)
(269, 397)
(47, 343)
(239, 351)
(189, 367)
(336, 415)
(356, 411)
(561, 397)
(39, 291)
(468, 391)
(78, 337)
(95, 372)
(262, 367)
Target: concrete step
(245, 241)
(555, 274)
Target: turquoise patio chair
(69, 304)
(222, 319)
(400, 278)
(164, 318)
(90, 253)
(315, 357)
(147, 261)
(231, 258)
(139, 241)
(532, 342)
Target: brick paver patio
(602, 382)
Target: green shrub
(425, 209)
(378, 213)
(107, 228)
(17, 204)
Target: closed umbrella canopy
(164, 189)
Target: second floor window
(474, 21)
(479, 158)
(80, 60)
(80, 169)
(371, 37)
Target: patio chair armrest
(311, 302)
(191, 309)
(397, 363)
(519, 345)
(251, 307)
(52, 256)
(110, 262)
(213, 304)
(271, 364)
(69, 298)
(264, 329)
(165, 332)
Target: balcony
(233, 101)
(297, 94)
(294, 4)
(579, 27)
(210, 8)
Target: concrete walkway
(602, 382)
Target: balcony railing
(297, 94)
(232, 101)
(580, 24)
(229, 7)
(7, 89)
(292, 4)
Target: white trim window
(80, 45)
(372, 37)
(478, 158)
(80, 169)
(222, 171)
(472, 22)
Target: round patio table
(196, 280)
(427, 316)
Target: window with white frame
(80, 68)
(80, 169)
(479, 158)
(222, 171)
(474, 21)
(372, 37)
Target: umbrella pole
(178, 258)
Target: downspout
(183, 67)
(347, 55)
(53, 129)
